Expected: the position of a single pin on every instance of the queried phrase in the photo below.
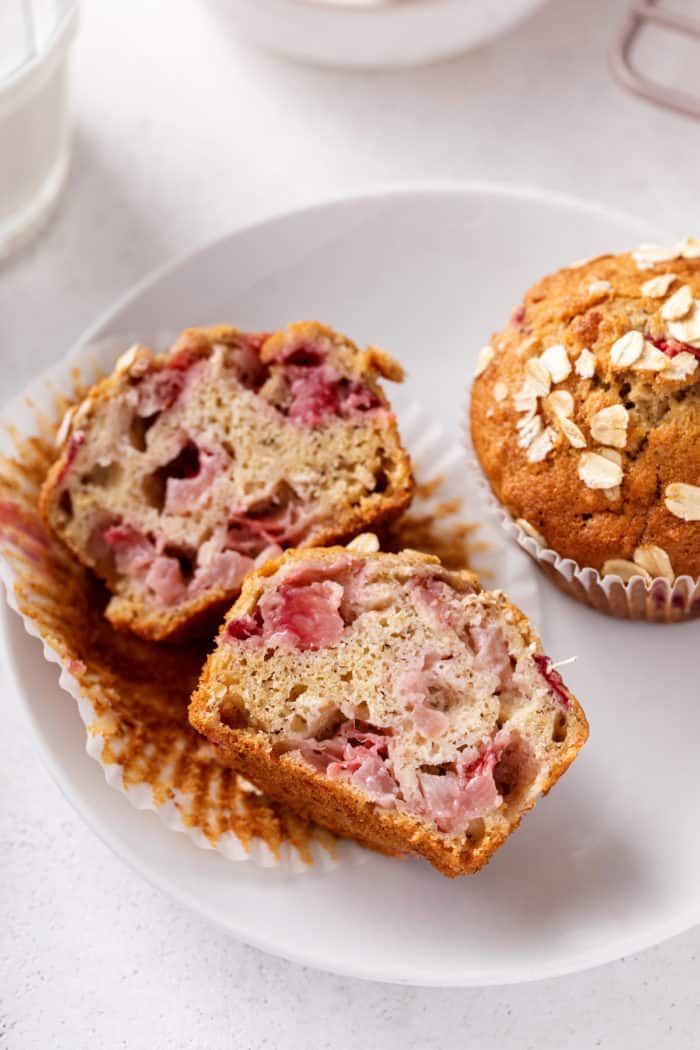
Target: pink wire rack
(641, 14)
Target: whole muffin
(585, 412)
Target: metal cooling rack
(642, 14)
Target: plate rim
(371, 191)
(558, 965)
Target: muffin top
(585, 412)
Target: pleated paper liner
(133, 695)
(656, 600)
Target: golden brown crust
(334, 804)
(372, 362)
(199, 616)
(574, 308)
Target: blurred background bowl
(372, 34)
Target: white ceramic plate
(610, 862)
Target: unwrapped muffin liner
(656, 601)
(132, 695)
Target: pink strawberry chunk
(305, 617)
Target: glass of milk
(35, 37)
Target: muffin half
(180, 472)
(390, 700)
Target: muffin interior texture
(187, 469)
(401, 681)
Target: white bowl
(372, 33)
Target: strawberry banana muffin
(585, 417)
(389, 700)
(180, 472)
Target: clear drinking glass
(35, 37)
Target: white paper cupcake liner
(174, 772)
(656, 601)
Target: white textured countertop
(182, 133)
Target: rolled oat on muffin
(594, 449)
